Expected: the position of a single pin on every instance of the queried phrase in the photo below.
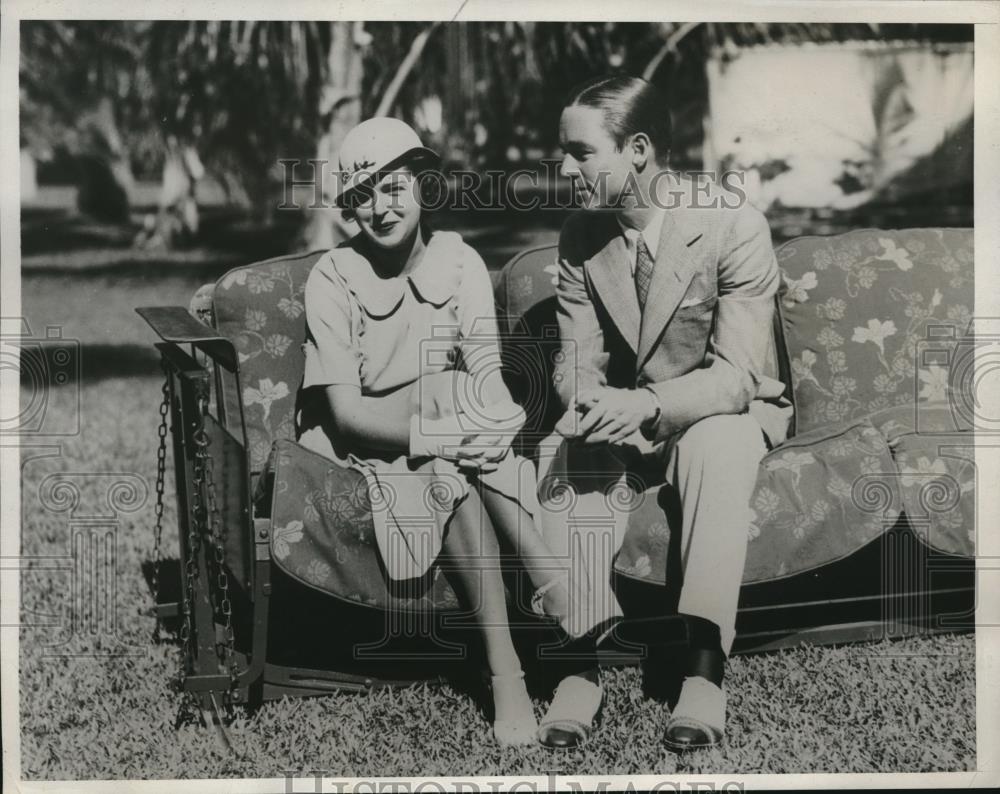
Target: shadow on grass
(57, 241)
(89, 363)
(114, 361)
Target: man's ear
(642, 150)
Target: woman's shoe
(699, 717)
(514, 720)
(572, 715)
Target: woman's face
(389, 212)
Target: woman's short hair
(629, 105)
(428, 189)
(432, 191)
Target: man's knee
(728, 435)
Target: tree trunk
(105, 180)
(340, 102)
(177, 219)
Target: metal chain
(161, 476)
(225, 650)
(193, 544)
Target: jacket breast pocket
(697, 302)
(689, 331)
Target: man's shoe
(699, 718)
(571, 717)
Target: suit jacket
(703, 343)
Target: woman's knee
(469, 525)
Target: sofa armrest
(176, 325)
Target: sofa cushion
(925, 417)
(322, 535)
(856, 308)
(934, 450)
(820, 497)
(937, 477)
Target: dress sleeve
(479, 336)
(332, 354)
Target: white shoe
(699, 718)
(574, 710)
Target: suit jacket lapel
(611, 276)
(672, 273)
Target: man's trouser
(587, 492)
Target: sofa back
(260, 308)
(870, 318)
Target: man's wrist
(649, 423)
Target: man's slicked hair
(629, 105)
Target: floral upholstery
(322, 534)
(260, 308)
(810, 508)
(934, 454)
(856, 309)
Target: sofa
(871, 497)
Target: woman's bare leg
(517, 527)
(471, 544)
(472, 547)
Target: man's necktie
(643, 271)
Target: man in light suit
(665, 304)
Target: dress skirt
(414, 498)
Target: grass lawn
(891, 706)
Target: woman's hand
(482, 454)
(451, 438)
(500, 423)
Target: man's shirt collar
(651, 234)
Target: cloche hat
(375, 147)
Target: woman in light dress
(402, 335)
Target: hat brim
(426, 158)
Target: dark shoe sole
(587, 731)
(680, 747)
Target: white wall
(883, 107)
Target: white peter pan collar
(434, 280)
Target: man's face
(590, 157)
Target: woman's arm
(366, 419)
(479, 332)
(356, 417)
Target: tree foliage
(249, 93)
